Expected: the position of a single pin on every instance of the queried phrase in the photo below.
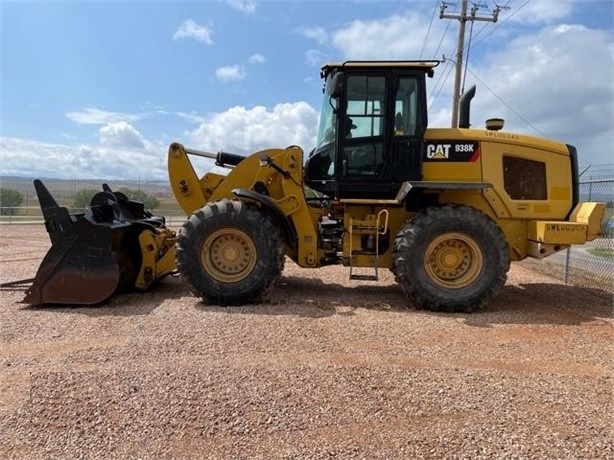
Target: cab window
(406, 107)
(365, 106)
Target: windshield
(326, 131)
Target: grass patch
(601, 252)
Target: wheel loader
(446, 210)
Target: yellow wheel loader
(445, 209)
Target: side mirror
(334, 85)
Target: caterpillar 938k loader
(445, 209)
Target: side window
(406, 107)
(364, 126)
(524, 179)
(365, 109)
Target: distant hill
(65, 188)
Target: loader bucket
(93, 254)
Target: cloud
(230, 73)
(242, 130)
(544, 12)
(315, 33)
(315, 57)
(31, 158)
(191, 117)
(395, 37)
(191, 29)
(257, 59)
(124, 153)
(93, 116)
(245, 6)
(122, 135)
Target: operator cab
(372, 125)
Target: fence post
(567, 260)
(590, 191)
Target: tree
(9, 200)
(83, 197)
(150, 202)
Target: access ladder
(373, 226)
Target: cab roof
(425, 66)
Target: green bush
(150, 202)
(83, 197)
(9, 200)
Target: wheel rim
(453, 260)
(228, 255)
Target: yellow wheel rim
(453, 260)
(228, 255)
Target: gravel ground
(326, 369)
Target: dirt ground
(328, 368)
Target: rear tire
(450, 258)
(230, 253)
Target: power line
(505, 103)
(501, 23)
(463, 18)
(486, 24)
(450, 67)
(444, 33)
(480, 31)
(506, 6)
(467, 57)
(441, 79)
(429, 29)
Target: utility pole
(460, 47)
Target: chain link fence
(66, 193)
(593, 262)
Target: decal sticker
(452, 151)
(564, 228)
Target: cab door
(379, 134)
(362, 140)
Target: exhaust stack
(465, 108)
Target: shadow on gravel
(544, 303)
(313, 298)
(539, 303)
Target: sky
(100, 89)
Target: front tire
(230, 253)
(450, 258)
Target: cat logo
(438, 151)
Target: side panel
(513, 164)
(517, 174)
